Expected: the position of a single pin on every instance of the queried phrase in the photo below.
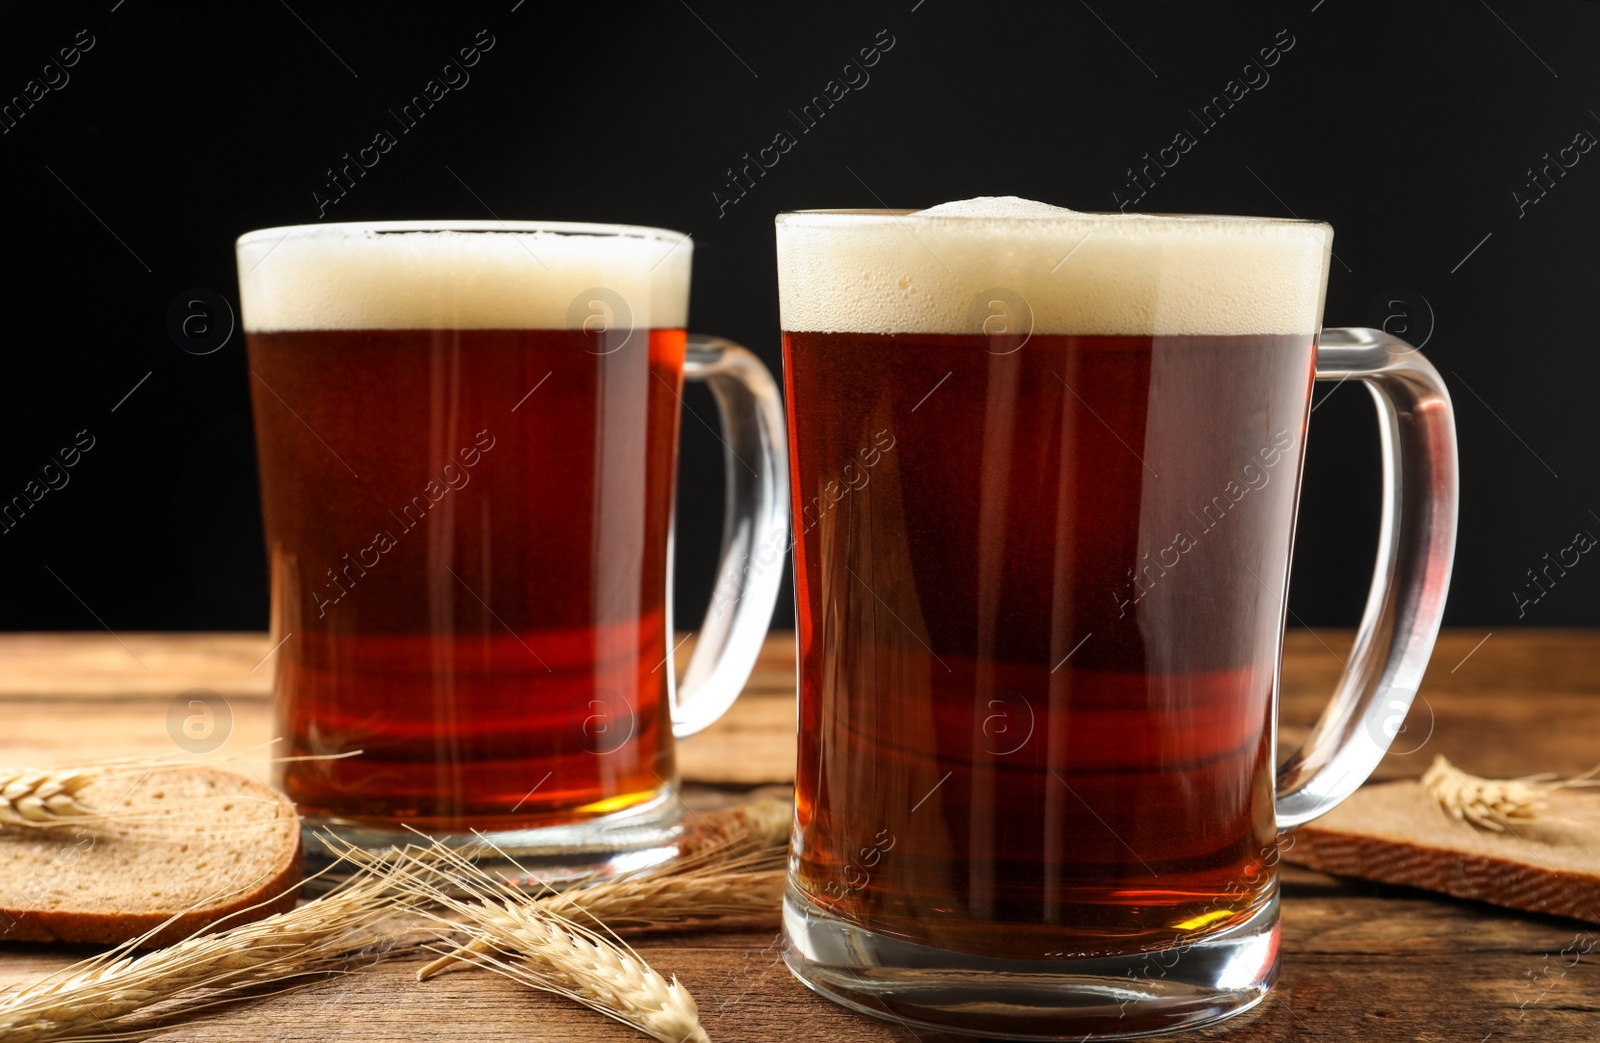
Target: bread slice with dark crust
(1395, 833)
(197, 843)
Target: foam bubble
(472, 275)
(939, 270)
(996, 206)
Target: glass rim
(354, 229)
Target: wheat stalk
(1490, 803)
(541, 948)
(91, 1000)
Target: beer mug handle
(1416, 543)
(755, 530)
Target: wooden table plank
(101, 703)
(1361, 961)
(93, 665)
(89, 716)
(1454, 973)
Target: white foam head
(461, 275)
(933, 271)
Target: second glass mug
(1045, 471)
(467, 435)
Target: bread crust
(1394, 833)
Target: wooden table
(1361, 962)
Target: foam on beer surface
(478, 275)
(935, 270)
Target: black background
(1409, 128)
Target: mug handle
(1416, 544)
(755, 531)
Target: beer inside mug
(467, 441)
(1045, 469)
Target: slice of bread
(199, 843)
(1395, 833)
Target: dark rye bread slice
(1395, 833)
(200, 842)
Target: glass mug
(467, 435)
(1045, 468)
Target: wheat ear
(37, 797)
(46, 797)
(90, 1000)
(676, 898)
(708, 898)
(554, 955)
(747, 829)
(696, 889)
(1491, 803)
(542, 949)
